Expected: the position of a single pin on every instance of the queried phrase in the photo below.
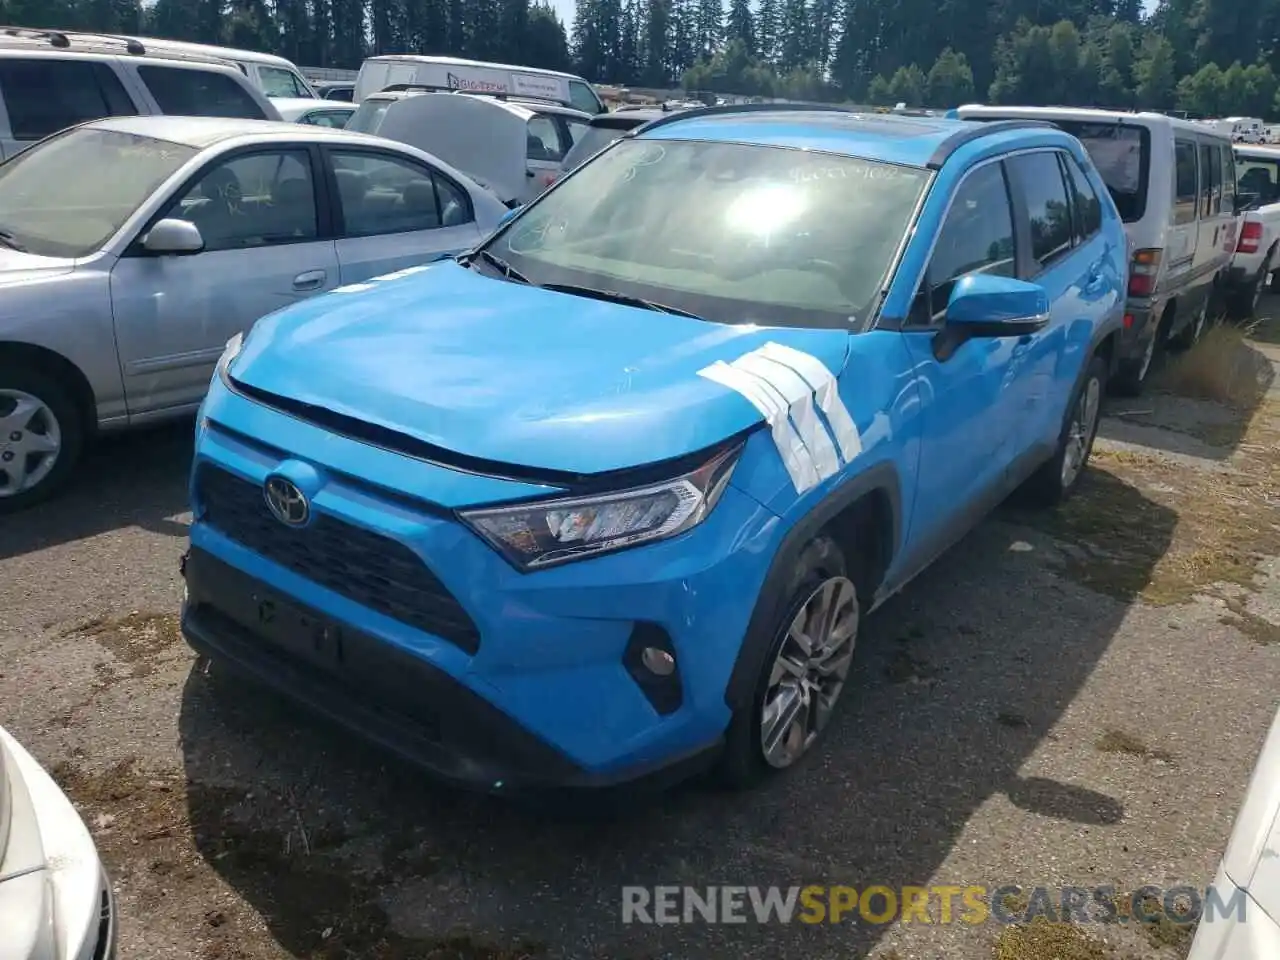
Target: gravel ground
(1032, 710)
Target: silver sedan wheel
(809, 672)
(30, 441)
(1084, 422)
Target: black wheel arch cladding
(880, 479)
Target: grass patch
(1159, 929)
(1119, 741)
(1222, 367)
(1044, 940)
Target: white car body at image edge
(55, 899)
(1250, 870)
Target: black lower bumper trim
(377, 690)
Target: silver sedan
(132, 249)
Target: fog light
(658, 662)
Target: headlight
(231, 351)
(550, 532)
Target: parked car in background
(317, 113)
(608, 496)
(342, 90)
(275, 76)
(1247, 883)
(370, 111)
(450, 74)
(513, 147)
(1174, 184)
(51, 80)
(603, 129)
(1257, 255)
(131, 249)
(55, 898)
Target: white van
(1246, 129)
(274, 76)
(403, 71)
(1174, 183)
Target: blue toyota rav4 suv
(611, 494)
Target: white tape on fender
(795, 456)
(827, 392)
(799, 397)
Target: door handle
(311, 280)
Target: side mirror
(982, 305)
(173, 236)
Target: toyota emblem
(286, 502)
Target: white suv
(50, 81)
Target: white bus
(402, 71)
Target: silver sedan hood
(19, 267)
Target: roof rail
(62, 39)
(958, 139)
(694, 113)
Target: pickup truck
(1255, 266)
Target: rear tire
(1131, 379)
(41, 436)
(1058, 478)
(1243, 304)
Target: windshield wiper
(506, 269)
(6, 239)
(625, 299)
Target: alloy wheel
(809, 671)
(30, 441)
(1084, 422)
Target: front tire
(41, 436)
(803, 673)
(1058, 478)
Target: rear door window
(1186, 189)
(1228, 179)
(185, 92)
(46, 95)
(1046, 195)
(1210, 180)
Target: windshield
(592, 141)
(1120, 153)
(69, 195)
(730, 232)
(368, 116)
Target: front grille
(374, 571)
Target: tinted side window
(1084, 200)
(1228, 178)
(1046, 195)
(181, 92)
(45, 95)
(977, 237)
(1210, 179)
(379, 194)
(544, 140)
(581, 97)
(1186, 190)
(277, 82)
(254, 200)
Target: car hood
(18, 267)
(511, 374)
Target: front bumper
(444, 637)
(379, 691)
(1242, 931)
